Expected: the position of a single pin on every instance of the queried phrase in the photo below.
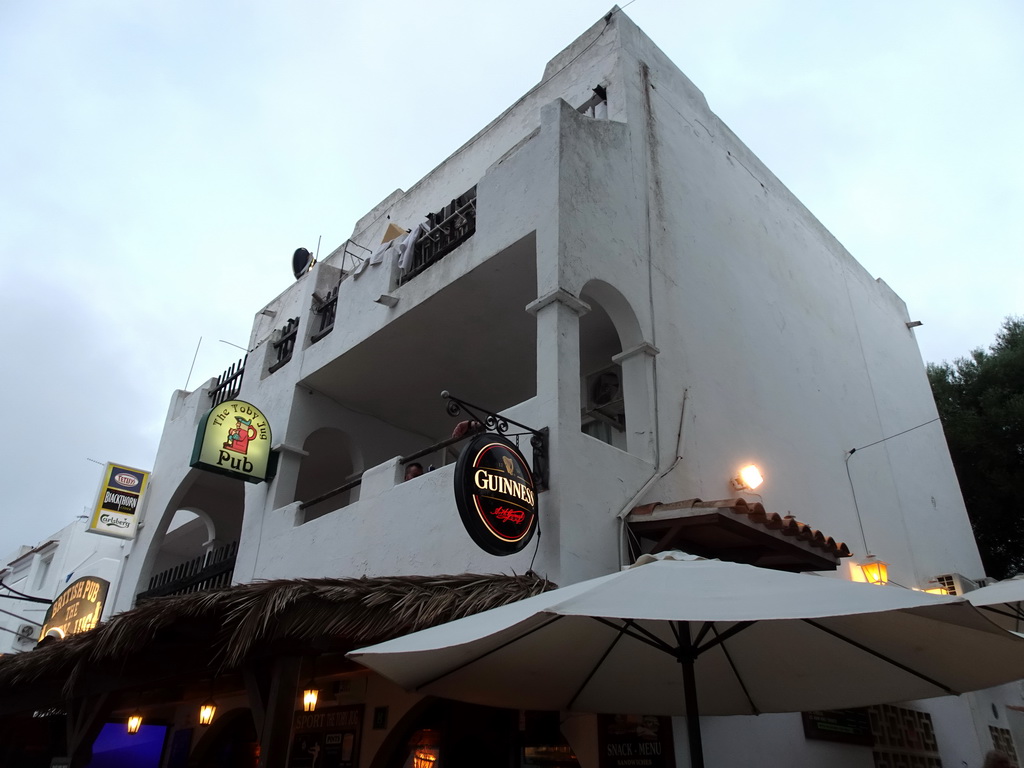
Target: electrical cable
(23, 596)
(21, 618)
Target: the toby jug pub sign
(234, 439)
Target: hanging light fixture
(310, 694)
(134, 722)
(309, 697)
(207, 711)
(424, 746)
(875, 571)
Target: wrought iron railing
(448, 229)
(229, 383)
(285, 346)
(210, 571)
(326, 313)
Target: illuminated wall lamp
(875, 571)
(748, 478)
(134, 722)
(309, 697)
(207, 711)
(936, 591)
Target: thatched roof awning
(225, 627)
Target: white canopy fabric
(765, 641)
(1002, 602)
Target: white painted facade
(45, 570)
(646, 236)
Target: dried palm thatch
(236, 622)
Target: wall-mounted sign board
(117, 508)
(77, 609)
(233, 439)
(495, 494)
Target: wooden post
(279, 712)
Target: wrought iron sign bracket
(500, 424)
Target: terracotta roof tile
(756, 513)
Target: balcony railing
(448, 229)
(213, 570)
(228, 383)
(284, 346)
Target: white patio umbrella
(706, 637)
(1002, 602)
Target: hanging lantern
(309, 697)
(207, 710)
(134, 722)
(875, 571)
(425, 748)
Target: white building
(606, 261)
(42, 572)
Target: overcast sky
(159, 162)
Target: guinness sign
(496, 496)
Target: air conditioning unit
(28, 632)
(604, 396)
(955, 583)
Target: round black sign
(495, 494)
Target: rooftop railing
(229, 383)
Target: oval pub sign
(495, 494)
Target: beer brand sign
(116, 510)
(234, 439)
(77, 609)
(496, 495)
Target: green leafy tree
(981, 403)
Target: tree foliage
(981, 403)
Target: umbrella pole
(687, 657)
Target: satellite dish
(302, 262)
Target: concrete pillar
(638, 387)
(558, 398)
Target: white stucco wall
(46, 569)
(727, 295)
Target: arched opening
(189, 532)
(199, 538)
(330, 463)
(616, 372)
(602, 395)
(450, 734)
